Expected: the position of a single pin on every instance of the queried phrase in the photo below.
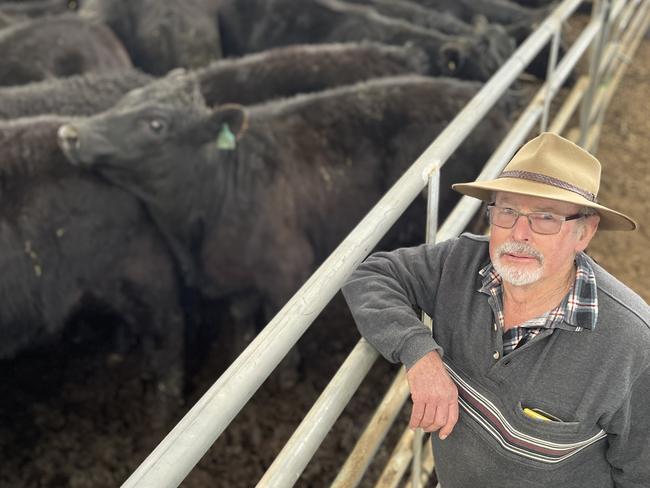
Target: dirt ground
(71, 418)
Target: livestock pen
(612, 36)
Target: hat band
(549, 180)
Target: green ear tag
(226, 139)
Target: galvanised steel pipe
(552, 61)
(603, 13)
(364, 450)
(399, 460)
(569, 106)
(613, 52)
(433, 200)
(611, 61)
(428, 464)
(607, 62)
(302, 445)
(182, 448)
(637, 31)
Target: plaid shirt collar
(577, 311)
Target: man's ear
(587, 231)
(230, 122)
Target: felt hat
(550, 166)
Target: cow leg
(160, 329)
(292, 264)
(149, 300)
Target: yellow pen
(535, 415)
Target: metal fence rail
(182, 448)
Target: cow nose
(68, 136)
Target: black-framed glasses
(540, 222)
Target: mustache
(519, 248)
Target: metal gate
(612, 36)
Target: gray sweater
(596, 382)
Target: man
(546, 373)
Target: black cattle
(257, 214)
(499, 40)
(294, 69)
(518, 21)
(59, 46)
(75, 95)
(73, 245)
(250, 79)
(255, 25)
(161, 35)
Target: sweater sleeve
(383, 292)
(629, 437)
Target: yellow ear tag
(226, 139)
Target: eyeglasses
(540, 222)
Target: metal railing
(616, 28)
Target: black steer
(57, 46)
(518, 21)
(250, 79)
(255, 25)
(259, 213)
(75, 95)
(161, 35)
(72, 244)
(498, 40)
(285, 71)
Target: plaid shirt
(577, 311)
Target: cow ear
(230, 121)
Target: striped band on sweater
(490, 418)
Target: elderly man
(537, 373)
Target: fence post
(602, 9)
(433, 196)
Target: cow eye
(156, 125)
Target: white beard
(512, 274)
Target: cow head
(151, 130)
(493, 40)
(452, 59)
(477, 56)
(161, 35)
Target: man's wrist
(416, 347)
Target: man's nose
(521, 231)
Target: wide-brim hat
(550, 166)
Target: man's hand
(434, 395)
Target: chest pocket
(545, 442)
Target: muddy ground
(71, 417)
